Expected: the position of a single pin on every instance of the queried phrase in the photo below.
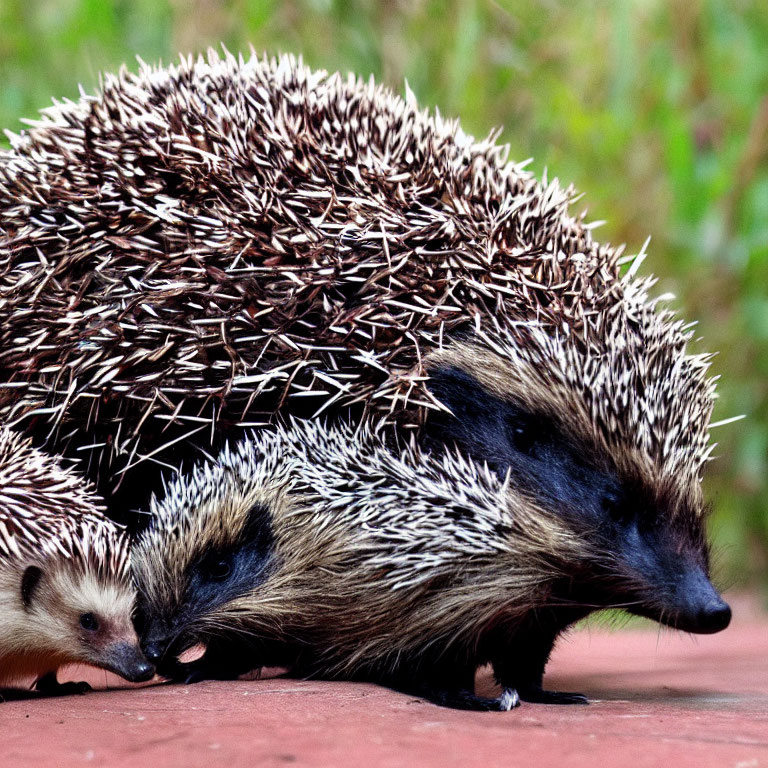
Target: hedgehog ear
(457, 390)
(29, 582)
(258, 526)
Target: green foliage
(657, 110)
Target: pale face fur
(48, 633)
(65, 590)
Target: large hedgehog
(66, 595)
(196, 248)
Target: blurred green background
(656, 109)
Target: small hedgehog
(318, 548)
(66, 595)
(196, 249)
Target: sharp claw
(573, 698)
(508, 700)
(194, 677)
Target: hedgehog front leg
(519, 662)
(453, 688)
(221, 661)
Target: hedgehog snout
(127, 660)
(700, 608)
(666, 573)
(155, 648)
(714, 617)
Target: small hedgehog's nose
(142, 672)
(126, 660)
(714, 616)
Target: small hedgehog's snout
(142, 672)
(126, 660)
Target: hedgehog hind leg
(48, 685)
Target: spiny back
(225, 238)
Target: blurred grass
(656, 109)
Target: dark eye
(614, 509)
(219, 570)
(89, 621)
(522, 436)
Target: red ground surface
(658, 699)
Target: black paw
(463, 700)
(468, 701)
(47, 685)
(540, 696)
(197, 675)
(16, 694)
(180, 672)
(196, 671)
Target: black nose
(142, 672)
(154, 650)
(126, 660)
(714, 616)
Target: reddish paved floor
(658, 699)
